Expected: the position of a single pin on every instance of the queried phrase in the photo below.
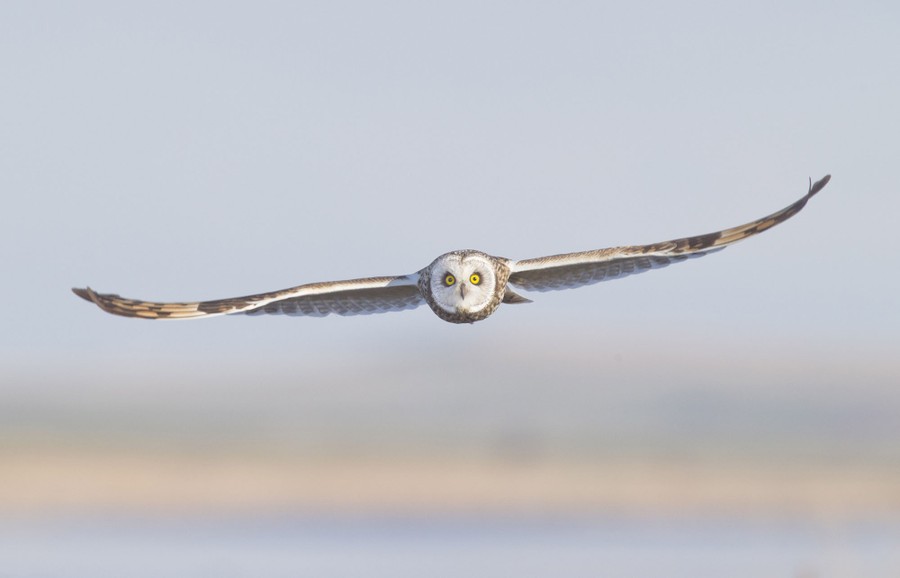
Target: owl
(460, 286)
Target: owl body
(460, 286)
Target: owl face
(463, 284)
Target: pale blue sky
(182, 151)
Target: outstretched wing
(354, 297)
(572, 270)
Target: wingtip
(815, 187)
(85, 293)
(90, 296)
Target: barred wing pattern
(354, 297)
(572, 270)
(384, 294)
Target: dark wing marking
(354, 297)
(572, 270)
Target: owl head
(465, 286)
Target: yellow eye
(449, 280)
(475, 279)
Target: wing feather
(571, 270)
(353, 297)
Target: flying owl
(460, 286)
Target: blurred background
(737, 415)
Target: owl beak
(462, 290)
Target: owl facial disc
(463, 286)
